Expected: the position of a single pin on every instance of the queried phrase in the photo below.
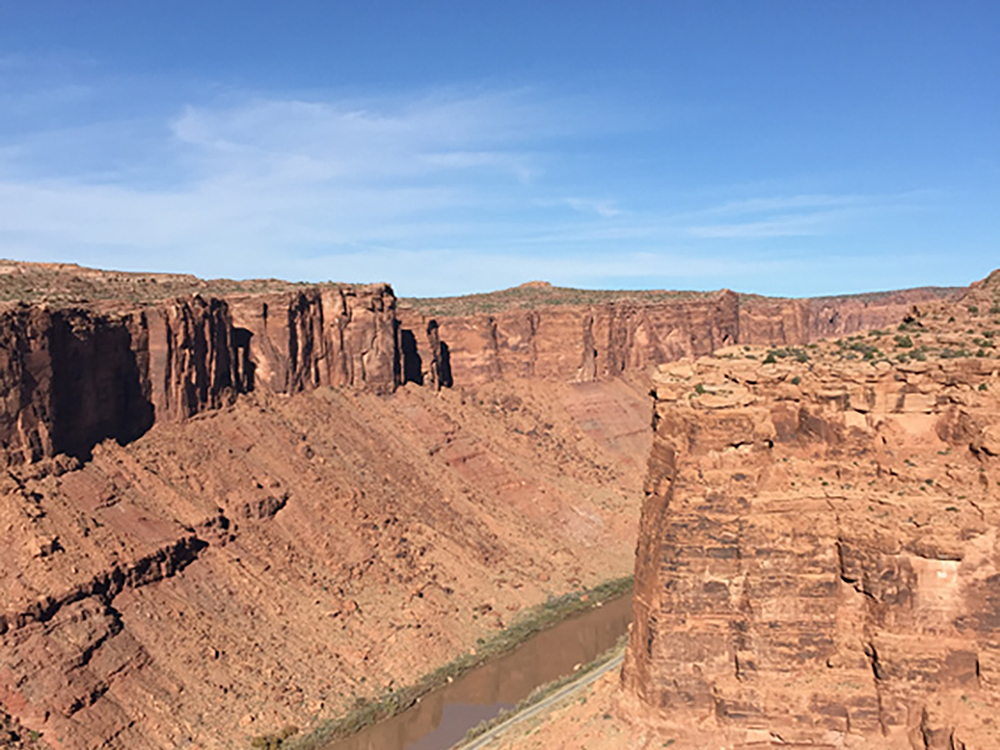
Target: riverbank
(369, 711)
(544, 697)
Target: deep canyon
(234, 506)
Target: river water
(443, 716)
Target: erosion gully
(443, 716)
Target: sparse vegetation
(851, 347)
(69, 284)
(543, 691)
(538, 294)
(274, 741)
(949, 353)
(773, 355)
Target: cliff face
(241, 559)
(586, 342)
(72, 377)
(818, 559)
(340, 336)
(73, 374)
(775, 322)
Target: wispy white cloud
(366, 141)
(789, 203)
(780, 226)
(605, 208)
(444, 192)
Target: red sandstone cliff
(74, 376)
(338, 336)
(818, 560)
(585, 342)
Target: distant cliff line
(87, 355)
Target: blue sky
(790, 148)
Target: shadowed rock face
(818, 559)
(76, 376)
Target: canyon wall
(74, 376)
(268, 563)
(586, 342)
(818, 561)
(275, 557)
(334, 335)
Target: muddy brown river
(443, 716)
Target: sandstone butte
(232, 506)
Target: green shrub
(274, 741)
(903, 342)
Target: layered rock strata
(268, 563)
(72, 377)
(818, 561)
(587, 342)
(321, 336)
(176, 534)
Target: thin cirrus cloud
(360, 142)
(445, 193)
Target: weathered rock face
(818, 559)
(339, 336)
(262, 565)
(242, 559)
(578, 343)
(776, 322)
(74, 377)
(590, 342)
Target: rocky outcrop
(818, 561)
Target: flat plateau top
(68, 283)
